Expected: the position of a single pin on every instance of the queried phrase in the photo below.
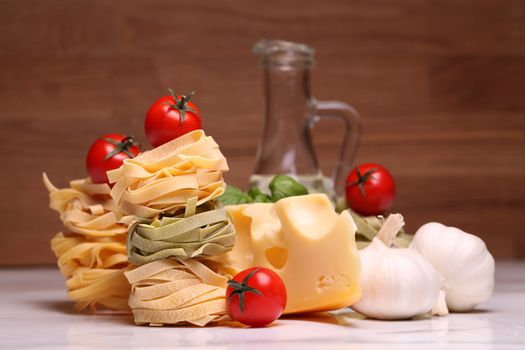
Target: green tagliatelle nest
(190, 235)
(369, 226)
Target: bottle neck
(287, 92)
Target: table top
(34, 313)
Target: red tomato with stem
(256, 297)
(107, 153)
(370, 189)
(171, 117)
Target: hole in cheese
(276, 256)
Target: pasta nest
(174, 291)
(162, 180)
(92, 254)
(197, 233)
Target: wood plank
(439, 85)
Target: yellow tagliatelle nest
(170, 291)
(94, 269)
(92, 256)
(163, 179)
(86, 208)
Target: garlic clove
(440, 309)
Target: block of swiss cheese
(309, 245)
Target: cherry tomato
(370, 189)
(256, 297)
(107, 153)
(171, 117)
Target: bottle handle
(352, 131)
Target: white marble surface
(34, 313)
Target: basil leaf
(283, 186)
(258, 196)
(234, 195)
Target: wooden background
(440, 86)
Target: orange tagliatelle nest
(92, 255)
(164, 179)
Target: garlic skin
(465, 265)
(396, 283)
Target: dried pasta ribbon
(163, 179)
(191, 235)
(94, 268)
(177, 292)
(92, 257)
(86, 208)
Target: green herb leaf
(257, 196)
(234, 195)
(283, 186)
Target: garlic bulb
(465, 265)
(396, 283)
